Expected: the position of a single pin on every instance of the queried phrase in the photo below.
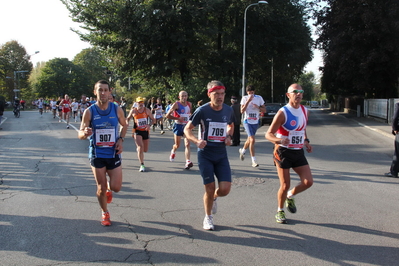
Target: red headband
(216, 88)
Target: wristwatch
(307, 140)
(123, 139)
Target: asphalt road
(49, 214)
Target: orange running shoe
(106, 219)
(109, 196)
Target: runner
(141, 116)
(59, 109)
(53, 105)
(251, 106)
(40, 105)
(75, 108)
(83, 105)
(100, 123)
(216, 121)
(288, 133)
(180, 112)
(158, 110)
(66, 108)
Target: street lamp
(244, 44)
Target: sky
(44, 26)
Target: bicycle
(17, 112)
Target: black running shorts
(289, 158)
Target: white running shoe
(241, 154)
(142, 168)
(172, 157)
(215, 206)
(208, 223)
(188, 165)
(255, 164)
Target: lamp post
(244, 44)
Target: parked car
(271, 111)
(314, 104)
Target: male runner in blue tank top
(100, 122)
(180, 112)
(216, 121)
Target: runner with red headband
(216, 121)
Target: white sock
(289, 195)
(280, 209)
(253, 158)
(243, 151)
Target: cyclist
(16, 105)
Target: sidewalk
(371, 123)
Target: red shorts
(66, 110)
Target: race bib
(185, 118)
(297, 139)
(141, 123)
(66, 105)
(252, 116)
(105, 137)
(217, 131)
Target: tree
(13, 59)
(94, 63)
(60, 76)
(308, 83)
(360, 39)
(180, 44)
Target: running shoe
(290, 204)
(280, 217)
(142, 168)
(215, 206)
(67, 126)
(241, 154)
(188, 165)
(255, 164)
(208, 223)
(109, 196)
(162, 132)
(172, 157)
(106, 219)
(391, 174)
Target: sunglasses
(297, 91)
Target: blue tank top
(105, 126)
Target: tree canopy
(180, 44)
(13, 59)
(360, 40)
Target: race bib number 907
(105, 137)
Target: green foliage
(360, 39)
(13, 57)
(308, 82)
(172, 45)
(93, 62)
(60, 76)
